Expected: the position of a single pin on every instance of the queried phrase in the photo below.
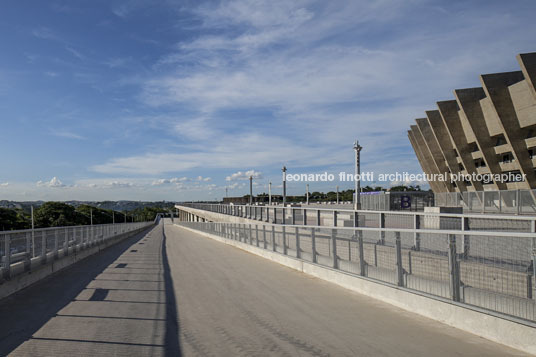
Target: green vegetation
(345, 195)
(13, 219)
(57, 214)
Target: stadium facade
(485, 137)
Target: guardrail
(326, 217)
(46, 244)
(496, 274)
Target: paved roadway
(181, 293)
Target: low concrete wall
(21, 279)
(479, 322)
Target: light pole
(270, 193)
(357, 178)
(307, 193)
(250, 190)
(284, 169)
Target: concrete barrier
(21, 279)
(516, 334)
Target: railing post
(381, 224)
(293, 215)
(267, 214)
(416, 235)
(250, 234)
(334, 248)
(66, 243)
(298, 249)
(43, 247)
(318, 220)
(334, 218)
(275, 216)
(532, 287)
(28, 250)
(399, 267)
(284, 240)
(264, 236)
(304, 216)
(257, 234)
(273, 239)
(356, 219)
(7, 256)
(362, 267)
(453, 269)
(260, 218)
(56, 243)
(284, 217)
(466, 241)
(518, 201)
(313, 245)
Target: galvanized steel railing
(491, 269)
(24, 248)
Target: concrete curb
(494, 328)
(25, 279)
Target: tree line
(344, 195)
(59, 214)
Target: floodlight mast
(357, 178)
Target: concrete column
(434, 149)
(471, 111)
(451, 119)
(446, 146)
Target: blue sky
(176, 100)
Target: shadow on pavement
(28, 310)
(171, 340)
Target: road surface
(179, 293)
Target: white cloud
(4, 184)
(175, 180)
(54, 182)
(68, 135)
(244, 175)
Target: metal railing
(326, 217)
(489, 270)
(522, 201)
(25, 247)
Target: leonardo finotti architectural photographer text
(406, 177)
